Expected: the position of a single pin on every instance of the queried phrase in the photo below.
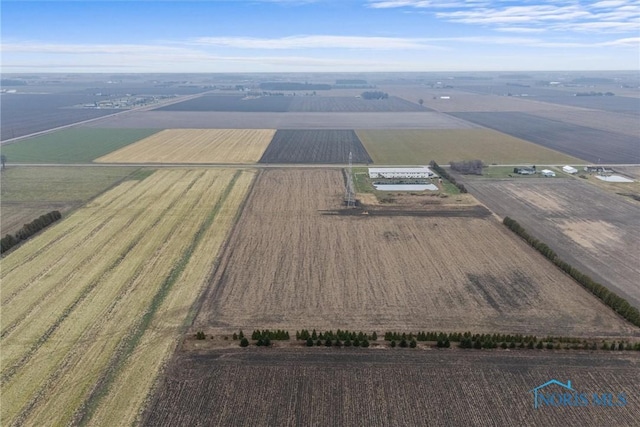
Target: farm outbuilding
(419, 172)
(524, 171)
(547, 173)
(570, 170)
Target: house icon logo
(537, 392)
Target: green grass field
(418, 147)
(74, 145)
(28, 192)
(507, 172)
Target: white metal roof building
(418, 172)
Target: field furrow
(140, 372)
(196, 146)
(69, 322)
(103, 338)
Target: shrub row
(28, 230)
(340, 335)
(613, 300)
(279, 335)
(459, 336)
(337, 342)
(471, 167)
(444, 174)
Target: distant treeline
(592, 93)
(28, 230)
(613, 300)
(293, 86)
(374, 94)
(444, 174)
(470, 167)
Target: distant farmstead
(419, 172)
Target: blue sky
(319, 35)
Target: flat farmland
(93, 307)
(73, 145)
(290, 266)
(331, 104)
(594, 230)
(195, 146)
(606, 121)
(415, 146)
(592, 145)
(24, 114)
(320, 104)
(232, 103)
(315, 146)
(390, 387)
(292, 120)
(461, 101)
(28, 192)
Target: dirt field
(405, 147)
(195, 146)
(290, 266)
(28, 192)
(93, 306)
(315, 146)
(592, 145)
(293, 120)
(594, 230)
(390, 387)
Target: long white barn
(418, 172)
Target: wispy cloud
(607, 16)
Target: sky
(318, 35)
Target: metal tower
(350, 197)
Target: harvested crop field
(414, 146)
(74, 145)
(290, 266)
(195, 146)
(315, 146)
(345, 387)
(292, 120)
(94, 306)
(319, 104)
(594, 230)
(606, 121)
(28, 192)
(24, 114)
(592, 145)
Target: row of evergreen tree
(340, 335)
(459, 336)
(337, 342)
(28, 230)
(613, 300)
(280, 335)
(444, 174)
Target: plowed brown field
(195, 146)
(289, 266)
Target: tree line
(444, 174)
(28, 230)
(611, 299)
(468, 167)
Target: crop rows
(388, 387)
(195, 146)
(298, 268)
(315, 146)
(74, 297)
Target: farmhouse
(419, 172)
